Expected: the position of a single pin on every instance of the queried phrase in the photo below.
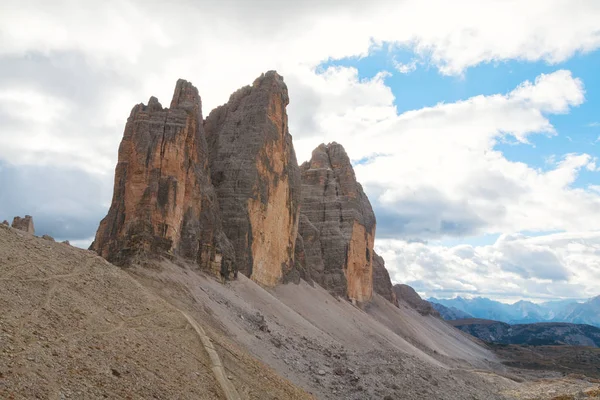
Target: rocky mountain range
(450, 313)
(521, 312)
(540, 334)
(243, 275)
(227, 193)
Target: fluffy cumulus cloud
(435, 172)
(560, 265)
(68, 81)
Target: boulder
(257, 180)
(24, 224)
(337, 224)
(163, 202)
(48, 238)
(5, 222)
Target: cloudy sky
(474, 125)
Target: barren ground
(74, 326)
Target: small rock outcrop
(24, 224)
(256, 176)
(5, 222)
(407, 294)
(48, 238)
(337, 224)
(382, 283)
(163, 201)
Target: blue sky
(577, 131)
(426, 86)
(462, 206)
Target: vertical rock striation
(256, 176)
(382, 283)
(163, 201)
(227, 193)
(337, 224)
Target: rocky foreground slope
(75, 326)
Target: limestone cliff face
(163, 201)
(382, 283)
(254, 170)
(337, 224)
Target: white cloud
(456, 36)
(132, 49)
(405, 68)
(552, 93)
(441, 174)
(432, 172)
(560, 265)
(36, 107)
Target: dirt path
(217, 367)
(74, 326)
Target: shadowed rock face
(24, 224)
(337, 224)
(381, 280)
(254, 170)
(163, 201)
(408, 295)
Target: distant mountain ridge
(450, 313)
(524, 312)
(538, 334)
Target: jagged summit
(186, 96)
(254, 169)
(337, 224)
(163, 202)
(227, 193)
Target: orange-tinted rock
(256, 176)
(382, 283)
(24, 224)
(337, 224)
(163, 201)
